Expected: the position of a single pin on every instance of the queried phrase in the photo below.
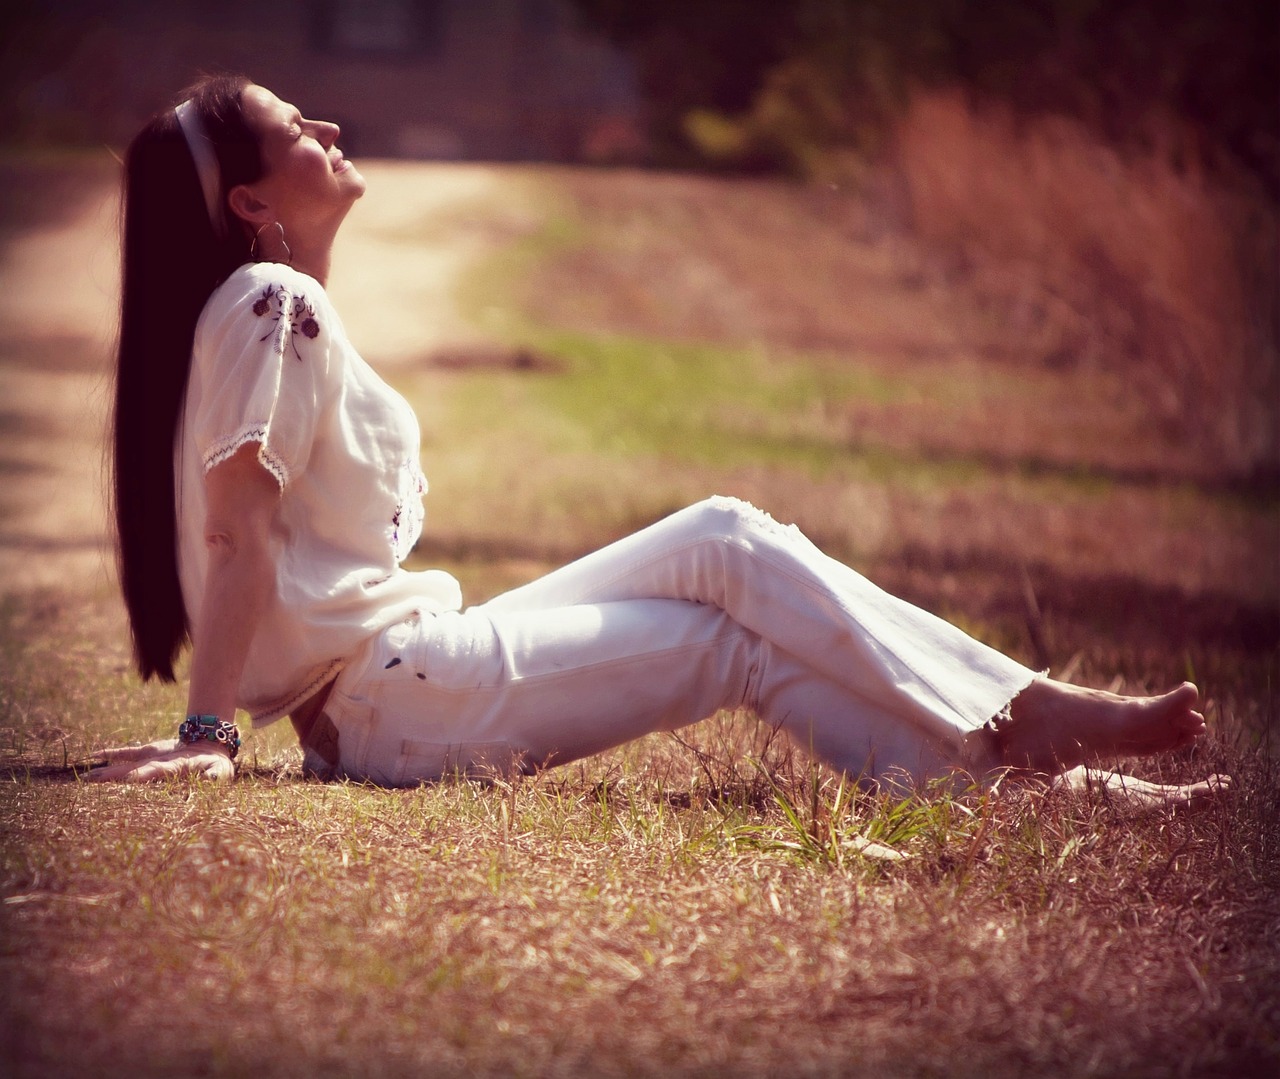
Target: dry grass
(692, 906)
(1138, 262)
(674, 907)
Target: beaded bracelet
(200, 728)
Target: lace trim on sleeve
(226, 447)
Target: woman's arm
(242, 501)
(243, 497)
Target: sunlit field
(596, 349)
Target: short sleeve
(262, 365)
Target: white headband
(202, 154)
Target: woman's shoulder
(284, 297)
(255, 278)
(268, 305)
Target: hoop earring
(253, 247)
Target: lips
(339, 163)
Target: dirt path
(57, 310)
(398, 261)
(404, 249)
(795, 269)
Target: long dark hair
(172, 259)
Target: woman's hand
(161, 759)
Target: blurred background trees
(798, 84)
(1105, 173)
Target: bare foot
(1142, 796)
(1054, 726)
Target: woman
(267, 487)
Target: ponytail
(173, 257)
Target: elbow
(232, 547)
(219, 545)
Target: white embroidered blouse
(272, 365)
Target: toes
(1190, 727)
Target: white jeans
(716, 607)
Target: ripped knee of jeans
(747, 518)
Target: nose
(327, 133)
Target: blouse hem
(266, 716)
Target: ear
(246, 205)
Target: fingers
(119, 772)
(127, 753)
(126, 770)
(211, 764)
(140, 753)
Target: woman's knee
(726, 517)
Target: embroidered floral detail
(290, 315)
(406, 521)
(304, 321)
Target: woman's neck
(311, 257)
(316, 265)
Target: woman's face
(306, 179)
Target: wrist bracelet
(201, 728)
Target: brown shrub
(1137, 261)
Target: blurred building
(443, 79)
